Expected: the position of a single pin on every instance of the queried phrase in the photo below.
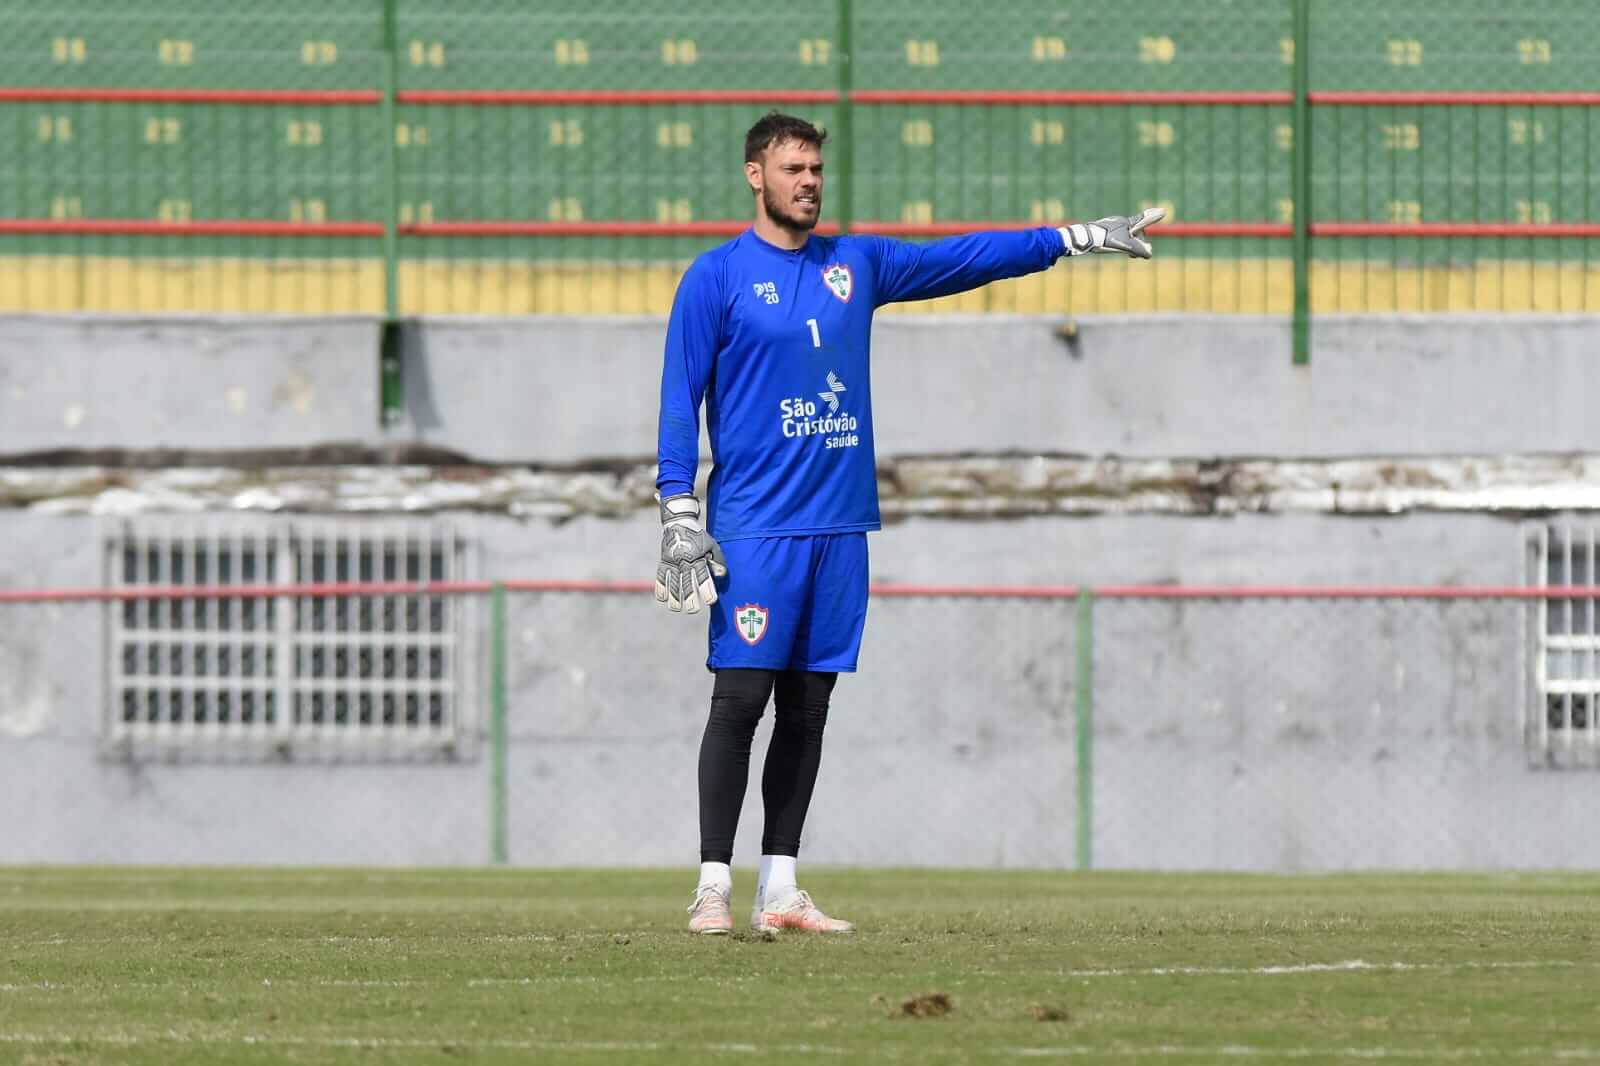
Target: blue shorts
(791, 603)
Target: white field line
(633, 1047)
(1292, 969)
(1246, 1051)
(58, 940)
(251, 904)
(393, 982)
(431, 1043)
(279, 879)
(1285, 970)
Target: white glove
(689, 557)
(1114, 233)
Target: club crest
(838, 279)
(751, 621)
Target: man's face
(789, 181)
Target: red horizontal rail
(732, 227)
(546, 97)
(515, 228)
(579, 586)
(1334, 592)
(144, 227)
(901, 591)
(978, 592)
(244, 592)
(47, 95)
(1145, 592)
(1454, 99)
(1455, 229)
(1165, 229)
(515, 97)
(1063, 97)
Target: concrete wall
(1274, 737)
(573, 390)
(98, 382)
(1261, 737)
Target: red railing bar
(515, 228)
(1025, 592)
(1454, 229)
(1165, 229)
(513, 97)
(545, 97)
(1353, 592)
(47, 95)
(245, 592)
(143, 227)
(1065, 97)
(728, 227)
(731, 227)
(446, 588)
(901, 591)
(1454, 99)
(629, 587)
(978, 592)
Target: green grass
(269, 966)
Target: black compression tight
(738, 699)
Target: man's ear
(752, 175)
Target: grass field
(268, 966)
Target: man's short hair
(775, 128)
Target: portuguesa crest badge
(752, 622)
(838, 280)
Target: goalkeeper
(771, 331)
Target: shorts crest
(751, 622)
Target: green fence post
(497, 724)
(390, 392)
(1302, 182)
(845, 123)
(1083, 630)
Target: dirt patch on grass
(1047, 1012)
(931, 1005)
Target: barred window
(287, 674)
(1566, 663)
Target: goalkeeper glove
(1114, 233)
(689, 557)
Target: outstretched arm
(907, 271)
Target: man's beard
(776, 212)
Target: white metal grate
(1561, 730)
(292, 674)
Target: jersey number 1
(816, 338)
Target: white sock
(777, 877)
(717, 875)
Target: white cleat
(795, 911)
(710, 913)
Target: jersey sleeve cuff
(1057, 240)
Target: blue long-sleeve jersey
(777, 343)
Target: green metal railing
(497, 724)
(1083, 716)
(399, 157)
(1183, 675)
(1302, 182)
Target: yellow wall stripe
(497, 287)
